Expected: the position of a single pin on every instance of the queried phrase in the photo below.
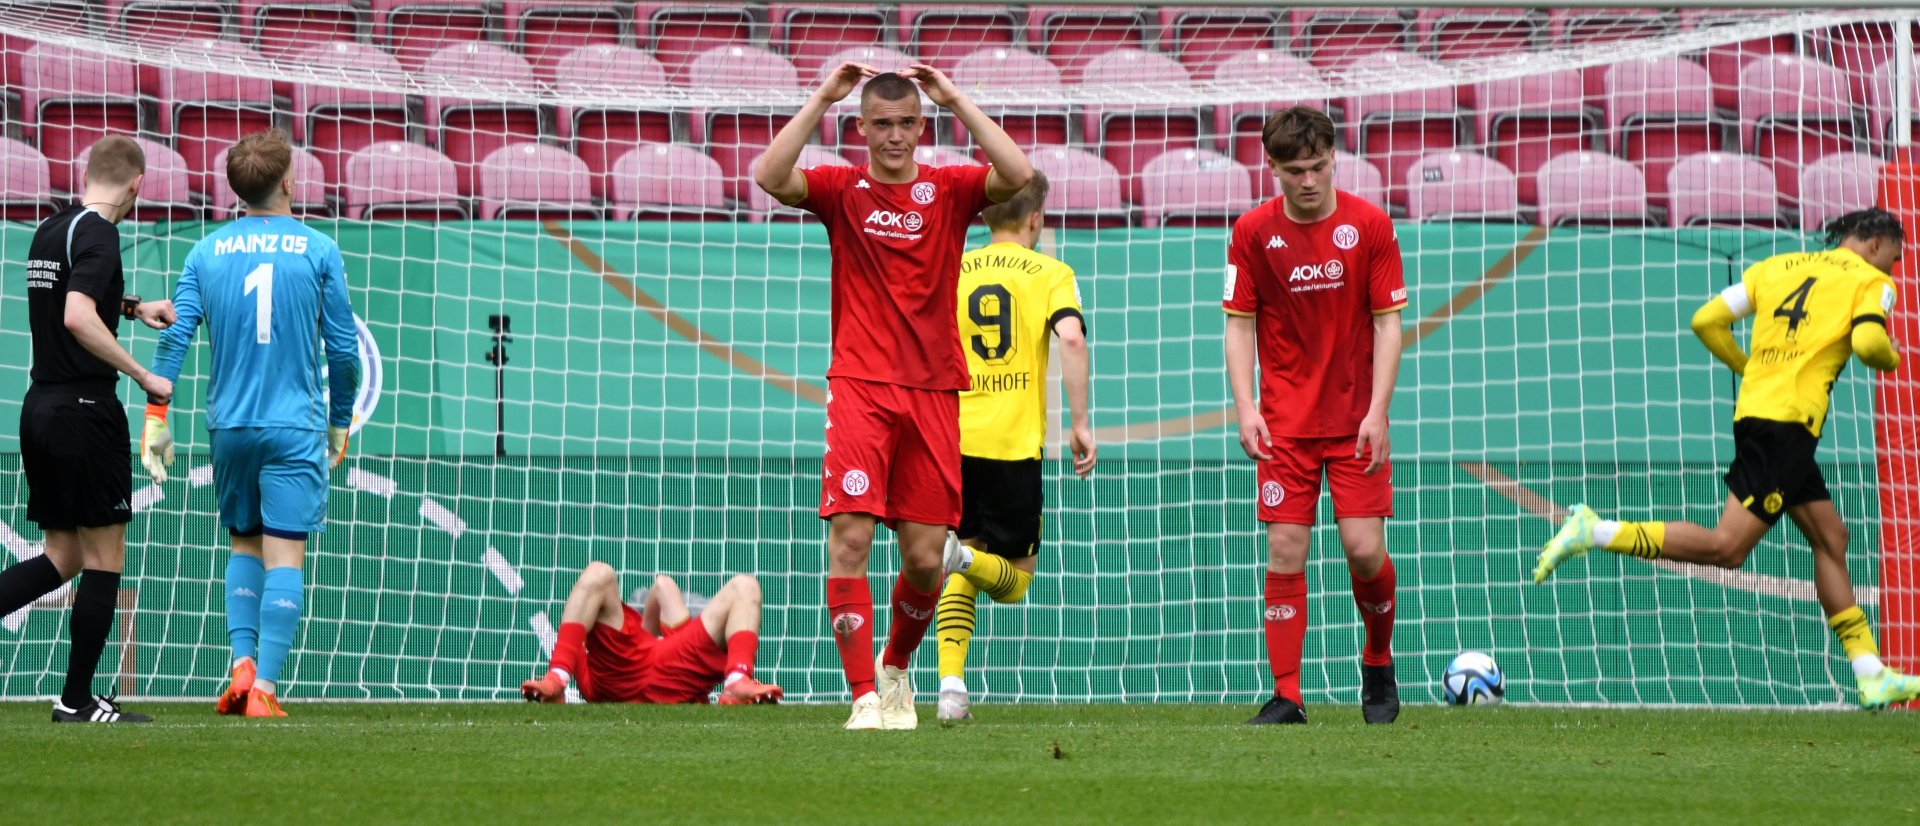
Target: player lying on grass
(1012, 301)
(661, 654)
(1815, 310)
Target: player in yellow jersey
(1011, 300)
(1812, 312)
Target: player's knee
(598, 574)
(1730, 553)
(1368, 554)
(1286, 554)
(745, 587)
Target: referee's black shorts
(1000, 503)
(74, 448)
(1773, 468)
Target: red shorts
(1290, 483)
(893, 452)
(629, 665)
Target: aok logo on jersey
(1330, 271)
(909, 221)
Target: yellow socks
(993, 574)
(1640, 539)
(1856, 638)
(954, 627)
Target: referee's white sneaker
(100, 710)
(896, 696)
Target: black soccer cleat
(1279, 711)
(100, 710)
(1379, 694)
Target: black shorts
(1773, 468)
(1000, 504)
(79, 465)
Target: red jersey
(1313, 290)
(896, 270)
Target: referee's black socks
(93, 606)
(23, 583)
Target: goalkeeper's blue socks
(279, 619)
(246, 580)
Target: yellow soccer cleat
(1889, 687)
(1574, 539)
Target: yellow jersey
(1010, 298)
(1805, 306)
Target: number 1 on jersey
(259, 284)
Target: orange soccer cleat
(545, 689)
(748, 691)
(234, 699)
(262, 704)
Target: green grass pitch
(497, 763)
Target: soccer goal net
(589, 336)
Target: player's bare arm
(1372, 440)
(83, 320)
(1254, 438)
(1011, 169)
(1075, 375)
(776, 174)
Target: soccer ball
(1473, 679)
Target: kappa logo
(1332, 270)
(244, 591)
(1275, 242)
(910, 611)
(909, 221)
(1377, 607)
(854, 482)
(1280, 613)
(285, 603)
(1271, 494)
(923, 193)
(1346, 237)
(847, 623)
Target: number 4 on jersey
(1798, 313)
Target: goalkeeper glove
(336, 445)
(156, 443)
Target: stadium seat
(1660, 110)
(1395, 130)
(1334, 38)
(204, 111)
(1567, 28)
(940, 35)
(1523, 121)
(413, 30)
(165, 194)
(1721, 189)
(1350, 175)
(544, 31)
(468, 130)
(397, 180)
(535, 182)
(166, 22)
(1725, 62)
(277, 28)
(1794, 111)
(602, 133)
(1461, 33)
(840, 126)
(335, 121)
(942, 156)
(1856, 49)
(1004, 68)
(680, 33)
(1591, 189)
(1880, 104)
(735, 136)
(658, 180)
(812, 36)
(70, 99)
(1193, 187)
(1085, 189)
(1131, 135)
(760, 206)
(1072, 36)
(1200, 36)
(25, 184)
(1836, 185)
(1461, 186)
(309, 189)
(1237, 125)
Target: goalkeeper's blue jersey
(271, 292)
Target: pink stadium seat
(336, 121)
(1660, 110)
(1524, 121)
(1460, 33)
(1199, 36)
(1350, 175)
(1072, 36)
(942, 156)
(413, 30)
(25, 183)
(811, 36)
(1836, 185)
(278, 28)
(1794, 111)
(397, 180)
(1193, 187)
(1334, 38)
(738, 67)
(309, 189)
(1130, 136)
(940, 35)
(534, 181)
(1880, 104)
(680, 33)
(469, 130)
(544, 31)
(602, 133)
(735, 137)
(1721, 189)
(760, 206)
(165, 194)
(1856, 49)
(165, 22)
(1004, 68)
(1085, 188)
(1725, 62)
(1591, 188)
(76, 98)
(1453, 186)
(1394, 131)
(206, 111)
(840, 127)
(1237, 125)
(1574, 27)
(658, 180)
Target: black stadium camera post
(502, 326)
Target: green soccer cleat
(1889, 687)
(1574, 539)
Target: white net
(591, 337)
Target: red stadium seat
(334, 120)
(1461, 186)
(1575, 27)
(1006, 68)
(940, 35)
(1396, 130)
(1130, 136)
(74, 98)
(25, 182)
(811, 36)
(1461, 33)
(761, 207)
(1334, 38)
(1836, 185)
(544, 31)
(1237, 125)
(205, 111)
(1202, 36)
(658, 180)
(734, 137)
(396, 180)
(1193, 187)
(1072, 36)
(942, 156)
(678, 34)
(1524, 121)
(1725, 62)
(413, 30)
(278, 28)
(1591, 188)
(601, 133)
(1350, 175)
(1794, 111)
(1085, 190)
(536, 182)
(1660, 110)
(1721, 189)
(1880, 105)
(309, 189)
(166, 22)
(468, 130)
(165, 194)
(1856, 49)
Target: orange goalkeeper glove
(156, 443)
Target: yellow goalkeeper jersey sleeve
(1805, 306)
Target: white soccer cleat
(955, 558)
(866, 713)
(954, 705)
(896, 697)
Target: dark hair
(1866, 225)
(256, 164)
(1300, 131)
(115, 160)
(889, 86)
(1015, 210)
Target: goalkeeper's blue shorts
(270, 480)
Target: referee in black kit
(73, 426)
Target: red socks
(1374, 597)
(850, 616)
(912, 613)
(740, 651)
(571, 649)
(1286, 625)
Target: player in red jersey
(1314, 289)
(896, 229)
(661, 654)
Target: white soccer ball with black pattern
(1473, 679)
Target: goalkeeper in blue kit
(271, 291)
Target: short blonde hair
(115, 160)
(256, 164)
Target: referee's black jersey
(77, 251)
